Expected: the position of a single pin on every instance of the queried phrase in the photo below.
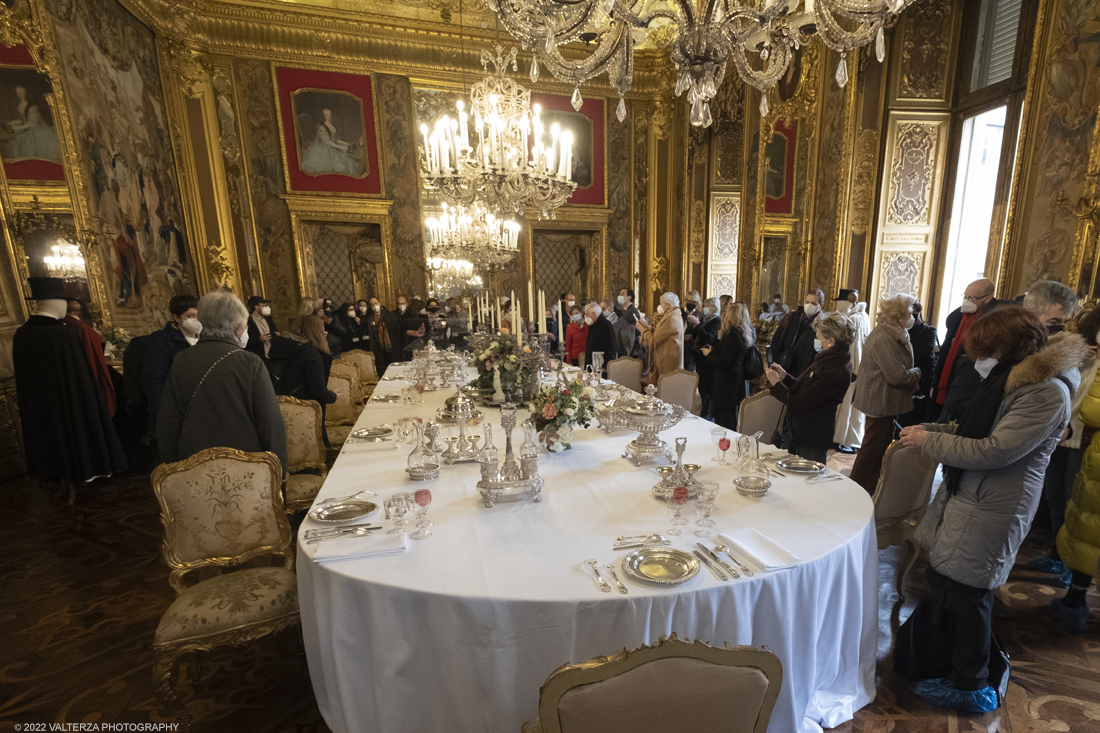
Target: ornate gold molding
(18, 27)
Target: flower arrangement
(505, 353)
(115, 341)
(556, 411)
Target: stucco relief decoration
(122, 141)
(727, 228)
(925, 50)
(912, 173)
(901, 273)
(698, 230)
(724, 284)
(619, 192)
(863, 181)
(1066, 120)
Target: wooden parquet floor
(83, 589)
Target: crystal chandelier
(450, 276)
(65, 262)
(474, 235)
(509, 160)
(758, 36)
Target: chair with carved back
(340, 416)
(367, 371)
(678, 388)
(759, 414)
(305, 452)
(901, 498)
(349, 369)
(221, 508)
(626, 371)
(671, 686)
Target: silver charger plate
(343, 511)
(799, 465)
(379, 431)
(661, 565)
(391, 397)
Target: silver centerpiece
(463, 448)
(459, 408)
(647, 416)
(511, 478)
(677, 475)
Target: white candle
(561, 325)
(530, 301)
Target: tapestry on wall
(112, 88)
(28, 135)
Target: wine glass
(716, 436)
(675, 501)
(398, 510)
(704, 505)
(422, 499)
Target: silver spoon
(726, 550)
(355, 533)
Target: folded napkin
(761, 549)
(356, 548)
(354, 446)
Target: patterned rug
(84, 588)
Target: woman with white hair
(665, 338)
(217, 394)
(884, 388)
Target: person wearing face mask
(601, 336)
(777, 308)
(811, 399)
(628, 318)
(692, 312)
(705, 338)
(576, 336)
(665, 338)
(977, 300)
(385, 336)
(92, 344)
(67, 433)
(849, 420)
(261, 326)
(218, 394)
(884, 390)
(926, 346)
(993, 461)
(345, 324)
(793, 342)
(359, 326)
(725, 361)
(162, 347)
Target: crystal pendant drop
(682, 83)
(550, 42)
(880, 46)
(697, 112)
(534, 69)
(577, 100)
(707, 119)
(764, 104)
(620, 111)
(692, 94)
(842, 72)
(709, 89)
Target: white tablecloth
(458, 633)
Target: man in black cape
(601, 336)
(67, 431)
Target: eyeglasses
(971, 299)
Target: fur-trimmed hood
(1064, 353)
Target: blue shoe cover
(1045, 564)
(943, 694)
(1073, 620)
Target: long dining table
(459, 632)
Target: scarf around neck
(977, 422)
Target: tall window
(996, 42)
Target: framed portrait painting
(589, 149)
(330, 140)
(29, 145)
(779, 169)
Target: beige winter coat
(665, 341)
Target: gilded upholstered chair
(901, 499)
(221, 508)
(340, 416)
(350, 370)
(759, 414)
(305, 452)
(626, 371)
(672, 686)
(678, 388)
(365, 360)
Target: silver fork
(603, 583)
(622, 588)
(356, 533)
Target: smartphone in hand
(768, 354)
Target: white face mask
(588, 320)
(400, 307)
(622, 300)
(191, 326)
(817, 345)
(706, 311)
(968, 307)
(575, 317)
(570, 303)
(243, 339)
(378, 308)
(985, 366)
(266, 310)
(363, 309)
(660, 310)
(910, 323)
(811, 309)
(351, 314)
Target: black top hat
(845, 293)
(255, 300)
(47, 288)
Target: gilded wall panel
(125, 183)
(834, 157)
(402, 182)
(725, 237)
(902, 272)
(619, 190)
(728, 135)
(640, 120)
(912, 173)
(926, 50)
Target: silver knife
(629, 545)
(725, 566)
(344, 535)
(325, 531)
(713, 568)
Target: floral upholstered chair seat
(305, 451)
(302, 488)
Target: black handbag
(753, 366)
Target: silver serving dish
(799, 466)
(427, 472)
(647, 416)
(661, 565)
(459, 407)
(337, 512)
(751, 486)
(376, 433)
